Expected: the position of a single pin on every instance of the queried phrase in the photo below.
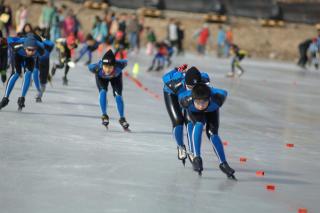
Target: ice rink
(56, 156)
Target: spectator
(99, 30)
(5, 18)
(180, 38)
(203, 36)
(151, 40)
(46, 18)
(133, 30)
(221, 38)
(21, 17)
(173, 32)
(228, 42)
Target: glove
(182, 68)
(174, 85)
(186, 101)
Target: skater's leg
(11, 82)
(82, 52)
(120, 105)
(103, 101)
(26, 83)
(189, 134)
(36, 79)
(197, 137)
(176, 116)
(117, 85)
(17, 62)
(212, 133)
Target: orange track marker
(260, 173)
(243, 159)
(225, 143)
(290, 145)
(271, 187)
(303, 210)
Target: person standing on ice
(176, 82)
(25, 54)
(202, 104)
(110, 70)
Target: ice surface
(56, 156)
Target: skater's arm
(218, 96)
(185, 99)
(94, 68)
(49, 45)
(15, 42)
(205, 78)
(121, 63)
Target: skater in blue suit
(110, 70)
(176, 82)
(25, 53)
(202, 104)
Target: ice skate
(182, 153)
(225, 168)
(230, 74)
(4, 102)
(20, 102)
(124, 123)
(197, 165)
(64, 81)
(105, 120)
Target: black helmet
(109, 58)
(193, 76)
(201, 91)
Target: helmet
(201, 91)
(193, 76)
(109, 58)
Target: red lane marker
(290, 145)
(140, 85)
(303, 210)
(225, 143)
(260, 173)
(243, 159)
(271, 187)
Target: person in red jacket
(203, 36)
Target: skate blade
(127, 129)
(232, 177)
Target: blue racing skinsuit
(174, 84)
(115, 78)
(21, 60)
(208, 117)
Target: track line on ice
(141, 86)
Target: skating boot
(159, 68)
(240, 73)
(150, 69)
(64, 81)
(53, 70)
(197, 165)
(105, 120)
(21, 103)
(230, 74)
(124, 123)
(190, 157)
(225, 168)
(3, 77)
(182, 153)
(88, 62)
(4, 102)
(39, 98)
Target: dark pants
(211, 119)
(116, 84)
